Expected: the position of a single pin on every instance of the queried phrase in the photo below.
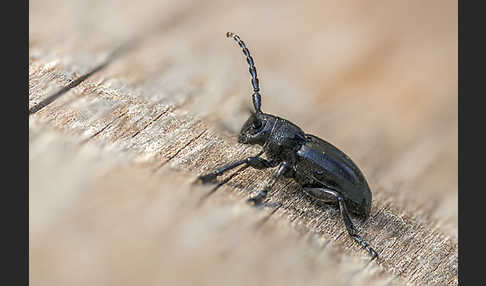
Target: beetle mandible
(324, 172)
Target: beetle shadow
(290, 197)
(395, 238)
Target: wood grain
(129, 102)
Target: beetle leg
(347, 220)
(257, 199)
(255, 161)
(320, 195)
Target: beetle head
(257, 128)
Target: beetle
(323, 171)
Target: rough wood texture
(131, 100)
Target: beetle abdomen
(320, 163)
(325, 163)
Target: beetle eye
(257, 124)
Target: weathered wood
(129, 102)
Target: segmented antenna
(257, 99)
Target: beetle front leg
(257, 199)
(255, 161)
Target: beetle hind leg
(321, 196)
(325, 194)
(352, 230)
(365, 245)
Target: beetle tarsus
(258, 198)
(365, 245)
(207, 178)
(259, 204)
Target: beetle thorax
(284, 141)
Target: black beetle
(324, 172)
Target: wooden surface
(131, 100)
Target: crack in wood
(439, 263)
(151, 121)
(104, 128)
(446, 256)
(122, 49)
(180, 150)
(116, 53)
(452, 280)
(412, 259)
